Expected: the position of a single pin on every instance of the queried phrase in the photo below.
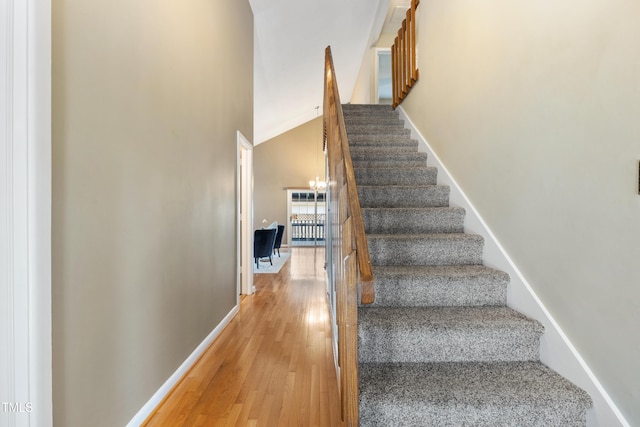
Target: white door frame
(289, 228)
(25, 213)
(376, 71)
(244, 208)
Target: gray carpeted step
(425, 249)
(389, 159)
(377, 130)
(365, 119)
(368, 107)
(396, 176)
(447, 285)
(370, 110)
(382, 141)
(392, 162)
(413, 220)
(363, 151)
(523, 394)
(374, 126)
(446, 334)
(382, 196)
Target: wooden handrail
(349, 266)
(335, 122)
(404, 67)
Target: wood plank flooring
(272, 365)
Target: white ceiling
(290, 37)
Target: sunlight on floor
(316, 316)
(310, 266)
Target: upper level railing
(348, 266)
(404, 66)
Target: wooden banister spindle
(403, 57)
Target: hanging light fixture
(317, 185)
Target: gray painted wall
(147, 99)
(289, 160)
(534, 107)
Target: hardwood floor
(272, 365)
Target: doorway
(383, 89)
(306, 210)
(245, 216)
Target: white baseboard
(556, 350)
(168, 385)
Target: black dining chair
(263, 241)
(278, 242)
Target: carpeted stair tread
(413, 220)
(442, 285)
(356, 119)
(388, 154)
(395, 176)
(366, 151)
(382, 141)
(381, 130)
(401, 196)
(425, 249)
(390, 162)
(383, 127)
(398, 159)
(370, 110)
(446, 334)
(469, 394)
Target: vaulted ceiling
(290, 37)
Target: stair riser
(378, 120)
(439, 286)
(500, 394)
(447, 345)
(381, 141)
(351, 119)
(424, 251)
(400, 150)
(395, 176)
(391, 157)
(368, 110)
(376, 127)
(413, 221)
(403, 197)
(378, 131)
(419, 292)
(399, 154)
(389, 163)
(415, 414)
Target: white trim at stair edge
(556, 351)
(166, 388)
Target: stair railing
(348, 266)
(404, 66)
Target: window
(307, 218)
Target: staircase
(439, 347)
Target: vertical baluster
(404, 71)
(414, 63)
(394, 73)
